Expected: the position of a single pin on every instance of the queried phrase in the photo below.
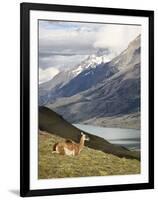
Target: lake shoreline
(129, 121)
(128, 138)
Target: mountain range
(98, 91)
(50, 90)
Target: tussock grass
(90, 162)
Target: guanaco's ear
(82, 133)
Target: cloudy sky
(63, 45)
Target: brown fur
(68, 141)
(69, 147)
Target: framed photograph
(87, 99)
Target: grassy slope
(89, 163)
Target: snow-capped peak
(91, 62)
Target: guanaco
(68, 147)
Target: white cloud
(62, 45)
(116, 37)
(47, 74)
(74, 44)
(66, 41)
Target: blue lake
(129, 138)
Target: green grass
(89, 163)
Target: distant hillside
(53, 123)
(90, 162)
(129, 121)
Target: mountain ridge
(116, 95)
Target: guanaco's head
(85, 137)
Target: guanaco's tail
(54, 147)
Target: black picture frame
(25, 9)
